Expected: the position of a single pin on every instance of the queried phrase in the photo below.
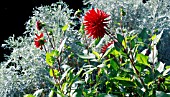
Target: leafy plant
(106, 49)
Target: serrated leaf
(50, 59)
(142, 59)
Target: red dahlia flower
(94, 22)
(39, 25)
(39, 40)
(104, 48)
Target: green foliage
(74, 66)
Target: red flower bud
(39, 25)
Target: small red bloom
(94, 22)
(39, 41)
(104, 48)
(39, 25)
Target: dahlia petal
(41, 35)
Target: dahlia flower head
(39, 40)
(95, 22)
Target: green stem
(49, 39)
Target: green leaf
(120, 38)
(133, 44)
(124, 43)
(87, 56)
(50, 59)
(101, 65)
(157, 38)
(115, 53)
(167, 67)
(161, 67)
(79, 82)
(51, 93)
(144, 35)
(79, 43)
(64, 86)
(96, 54)
(166, 72)
(38, 93)
(142, 59)
(77, 93)
(138, 67)
(133, 37)
(82, 29)
(122, 78)
(53, 72)
(59, 92)
(153, 37)
(107, 52)
(64, 28)
(29, 95)
(62, 45)
(162, 94)
(114, 64)
(55, 53)
(97, 41)
(125, 81)
(123, 12)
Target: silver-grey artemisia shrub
(24, 70)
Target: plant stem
(51, 67)
(49, 39)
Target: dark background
(15, 13)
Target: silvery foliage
(25, 68)
(155, 14)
